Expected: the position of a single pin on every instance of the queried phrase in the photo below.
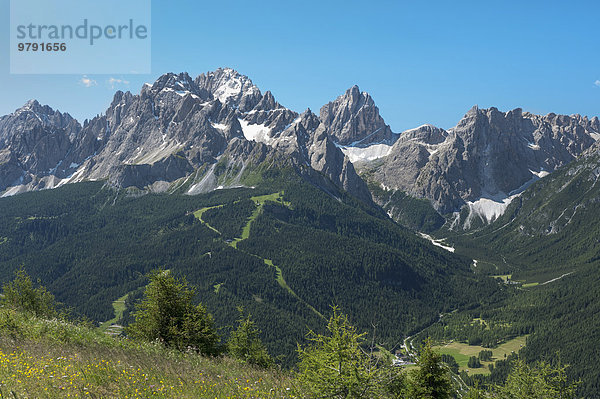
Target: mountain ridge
(483, 162)
(179, 126)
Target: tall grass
(57, 359)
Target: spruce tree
(168, 315)
(431, 378)
(245, 344)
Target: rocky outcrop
(353, 119)
(37, 141)
(489, 154)
(209, 129)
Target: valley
(482, 236)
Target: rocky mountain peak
(181, 81)
(42, 111)
(353, 119)
(230, 87)
(358, 99)
(181, 84)
(35, 106)
(32, 114)
(267, 103)
(179, 125)
(489, 157)
(426, 134)
(309, 120)
(172, 128)
(33, 141)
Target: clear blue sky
(422, 63)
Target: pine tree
(539, 381)
(335, 365)
(473, 362)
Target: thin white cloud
(87, 82)
(597, 83)
(112, 82)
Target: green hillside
(548, 244)
(285, 251)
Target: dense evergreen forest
(304, 251)
(286, 251)
(545, 251)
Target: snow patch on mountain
(220, 126)
(437, 243)
(487, 208)
(254, 132)
(370, 153)
(232, 85)
(540, 174)
(491, 207)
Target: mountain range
(212, 131)
(284, 213)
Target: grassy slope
(49, 359)
(119, 307)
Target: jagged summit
(487, 159)
(35, 146)
(173, 128)
(353, 119)
(179, 125)
(230, 87)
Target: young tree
(245, 344)
(167, 314)
(430, 379)
(540, 381)
(336, 366)
(20, 294)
